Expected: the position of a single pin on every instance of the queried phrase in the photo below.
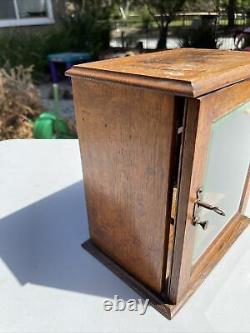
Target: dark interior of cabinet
(178, 138)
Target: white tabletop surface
(49, 284)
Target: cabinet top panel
(186, 72)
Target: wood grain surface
(126, 146)
(186, 72)
(128, 119)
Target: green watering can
(49, 125)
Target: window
(25, 12)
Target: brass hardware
(200, 203)
(174, 203)
(210, 207)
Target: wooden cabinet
(165, 147)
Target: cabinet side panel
(125, 136)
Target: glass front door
(225, 174)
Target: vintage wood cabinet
(165, 147)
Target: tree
(124, 7)
(88, 25)
(99, 7)
(233, 6)
(163, 12)
(231, 10)
(201, 5)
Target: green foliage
(146, 18)
(85, 30)
(238, 4)
(230, 7)
(116, 13)
(163, 12)
(201, 5)
(21, 48)
(164, 9)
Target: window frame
(18, 22)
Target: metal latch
(200, 203)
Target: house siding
(58, 12)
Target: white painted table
(49, 284)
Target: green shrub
(21, 48)
(82, 32)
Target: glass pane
(7, 10)
(227, 167)
(31, 8)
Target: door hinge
(174, 203)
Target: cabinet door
(224, 175)
(125, 136)
(214, 191)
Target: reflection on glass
(226, 171)
(31, 8)
(7, 10)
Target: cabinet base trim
(155, 300)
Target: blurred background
(40, 39)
